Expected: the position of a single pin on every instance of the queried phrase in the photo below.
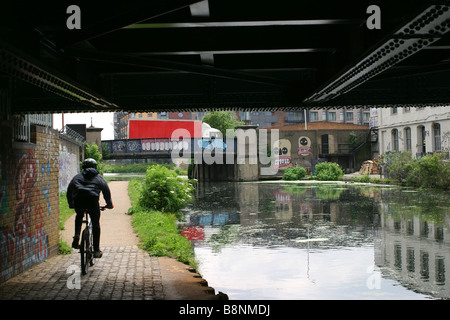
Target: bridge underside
(176, 55)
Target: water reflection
(294, 241)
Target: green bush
(398, 165)
(164, 191)
(328, 171)
(430, 171)
(294, 173)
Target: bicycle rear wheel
(85, 252)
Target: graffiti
(134, 146)
(68, 168)
(25, 182)
(213, 144)
(282, 147)
(45, 191)
(119, 146)
(304, 146)
(26, 242)
(163, 145)
(26, 249)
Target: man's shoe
(98, 254)
(75, 242)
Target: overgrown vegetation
(294, 173)
(157, 228)
(430, 171)
(163, 190)
(328, 171)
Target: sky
(99, 120)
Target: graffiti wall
(29, 203)
(69, 166)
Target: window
(341, 116)
(349, 116)
(437, 136)
(406, 109)
(395, 140)
(408, 145)
(314, 115)
(366, 116)
(332, 115)
(324, 115)
(394, 110)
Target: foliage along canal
(280, 240)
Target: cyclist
(83, 193)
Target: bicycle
(86, 245)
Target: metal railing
(21, 125)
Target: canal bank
(125, 272)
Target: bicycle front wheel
(84, 252)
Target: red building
(142, 129)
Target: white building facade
(419, 130)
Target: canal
(280, 240)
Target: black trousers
(94, 212)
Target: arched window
(394, 139)
(437, 136)
(408, 144)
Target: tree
(221, 120)
(91, 151)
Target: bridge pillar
(246, 168)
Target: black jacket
(86, 186)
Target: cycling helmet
(89, 163)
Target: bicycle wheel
(91, 250)
(84, 252)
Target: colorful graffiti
(68, 168)
(27, 241)
(282, 147)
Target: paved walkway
(125, 272)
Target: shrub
(164, 191)
(294, 173)
(328, 171)
(397, 165)
(430, 171)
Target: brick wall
(29, 200)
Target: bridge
(149, 148)
(176, 55)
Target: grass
(158, 232)
(64, 213)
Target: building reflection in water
(413, 242)
(408, 230)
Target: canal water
(280, 240)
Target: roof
(320, 125)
